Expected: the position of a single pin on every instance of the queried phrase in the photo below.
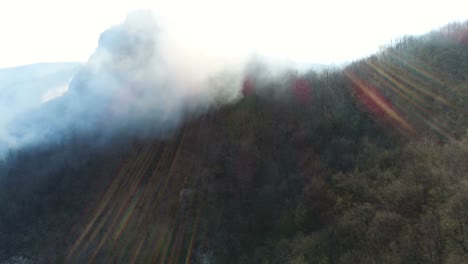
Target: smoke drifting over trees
(134, 83)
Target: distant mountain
(25, 87)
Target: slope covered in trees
(365, 164)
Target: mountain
(362, 164)
(26, 87)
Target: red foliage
(247, 87)
(301, 90)
(372, 99)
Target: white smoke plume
(138, 82)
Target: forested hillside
(365, 164)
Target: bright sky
(303, 31)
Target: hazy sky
(304, 31)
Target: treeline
(365, 164)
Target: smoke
(139, 82)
